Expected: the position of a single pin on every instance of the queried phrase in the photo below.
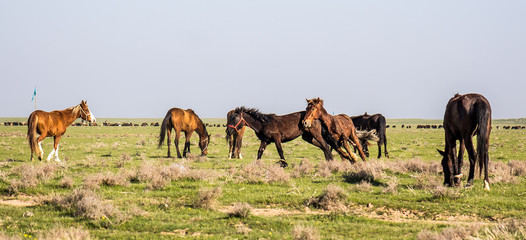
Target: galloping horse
(278, 129)
(372, 122)
(53, 124)
(234, 138)
(340, 129)
(466, 115)
(188, 122)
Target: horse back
(184, 120)
(463, 113)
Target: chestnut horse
(53, 124)
(372, 122)
(188, 122)
(466, 116)
(340, 129)
(234, 138)
(278, 129)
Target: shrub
(443, 193)
(275, 173)
(85, 203)
(449, 233)
(304, 168)
(301, 232)
(66, 182)
(240, 210)
(207, 198)
(157, 182)
(332, 199)
(392, 186)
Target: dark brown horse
(234, 138)
(278, 129)
(340, 129)
(466, 116)
(372, 122)
(53, 124)
(188, 122)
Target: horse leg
(459, 163)
(262, 147)
(385, 148)
(52, 153)
(231, 145)
(238, 143)
(317, 140)
(176, 142)
(57, 139)
(282, 162)
(186, 149)
(39, 141)
(351, 154)
(472, 160)
(168, 141)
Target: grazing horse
(278, 129)
(340, 129)
(53, 124)
(234, 138)
(372, 122)
(188, 122)
(466, 115)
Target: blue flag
(34, 94)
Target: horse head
(85, 113)
(203, 144)
(314, 107)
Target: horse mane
(255, 113)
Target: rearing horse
(466, 115)
(188, 122)
(53, 124)
(340, 129)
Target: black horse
(466, 115)
(278, 129)
(372, 122)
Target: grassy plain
(148, 196)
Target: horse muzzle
(307, 123)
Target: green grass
(168, 212)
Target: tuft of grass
(332, 199)
(85, 203)
(303, 169)
(71, 233)
(445, 193)
(66, 182)
(240, 210)
(275, 173)
(513, 229)
(207, 198)
(392, 186)
(301, 232)
(450, 233)
(157, 182)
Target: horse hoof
(283, 163)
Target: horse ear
(441, 152)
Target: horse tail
(32, 133)
(484, 128)
(165, 125)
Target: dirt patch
(381, 213)
(18, 203)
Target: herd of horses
(466, 116)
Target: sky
(138, 59)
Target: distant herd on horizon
(465, 116)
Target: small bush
(332, 199)
(253, 172)
(111, 179)
(66, 182)
(364, 186)
(207, 198)
(85, 203)
(304, 168)
(301, 232)
(240, 210)
(517, 168)
(275, 173)
(123, 160)
(157, 182)
(392, 186)
(513, 229)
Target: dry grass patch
(444, 193)
(240, 210)
(450, 233)
(207, 198)
(66, 182)
(513, 229)
(332, 199)
(301, 232)
(305, 167)
(85, 203)
(71, 233)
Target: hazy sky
(403, 59)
